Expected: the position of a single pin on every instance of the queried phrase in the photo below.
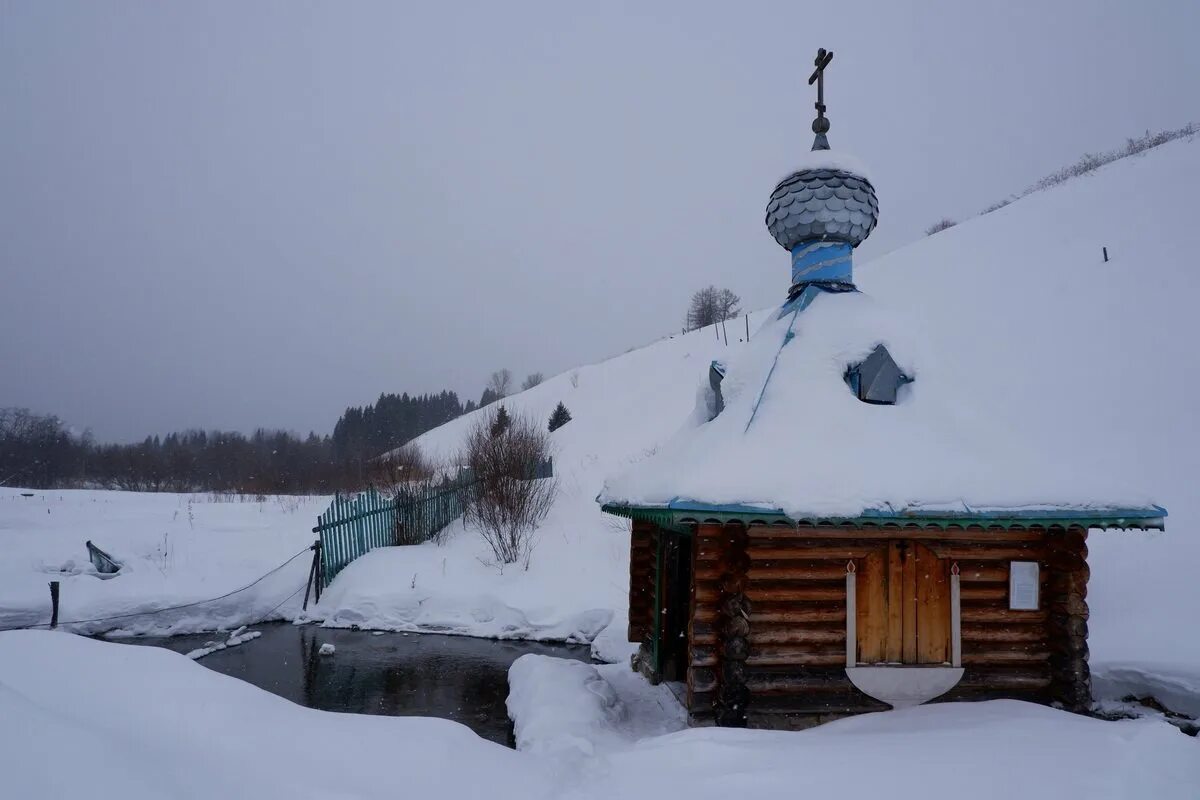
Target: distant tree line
(41, 451)
(362, 433)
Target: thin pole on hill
(747, 318)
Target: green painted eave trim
(682, 520)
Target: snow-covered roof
(1012, 343)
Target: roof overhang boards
(681, 517)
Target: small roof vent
(877, 379)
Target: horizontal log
(983, 572)
(1035, 632)
(797, 635)
(768, 683)
(888, 534)
(1033, 552)
(1073, 606)
(798, 571)
(798, 614)
(998, 657)
(763, 707)
(795, 591)
(972, 614)
(1008, 679)
(767, 555)
(974, 592)
(816, 654)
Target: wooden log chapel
(829, 537)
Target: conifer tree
(500, 422)
(560, 417)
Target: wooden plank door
(903, 599)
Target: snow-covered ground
(175, 549)
(93, 719)
(1123, 331)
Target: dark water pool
(453, 677)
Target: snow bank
(141, 722)
(559, 706)
(996, 750)
(375, 592)
(84, 718)
(568, 708)
(1177, 690)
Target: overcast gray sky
(237, 215)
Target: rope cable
(184, 605)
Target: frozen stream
(454, 677)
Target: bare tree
(532, 380)
(939, 226)
(503, 500)
(392, 472)
(500, 383)
(711, 305)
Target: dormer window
(877, 379)
(716, 403)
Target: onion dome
(828, 199)
(829, 203)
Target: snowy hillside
(621, 409)
(1107, 346)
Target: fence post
(312, 572)
(53, 604)
(320, 569)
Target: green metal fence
(351, 527)
(422, 514)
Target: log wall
(768, 621)
(643, 545)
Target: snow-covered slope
(621, 409)
(1110, 342)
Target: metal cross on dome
(820, 125)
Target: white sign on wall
(1023, 585)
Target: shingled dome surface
(824, 203)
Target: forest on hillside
(42, 451)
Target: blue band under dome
(817, 260)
